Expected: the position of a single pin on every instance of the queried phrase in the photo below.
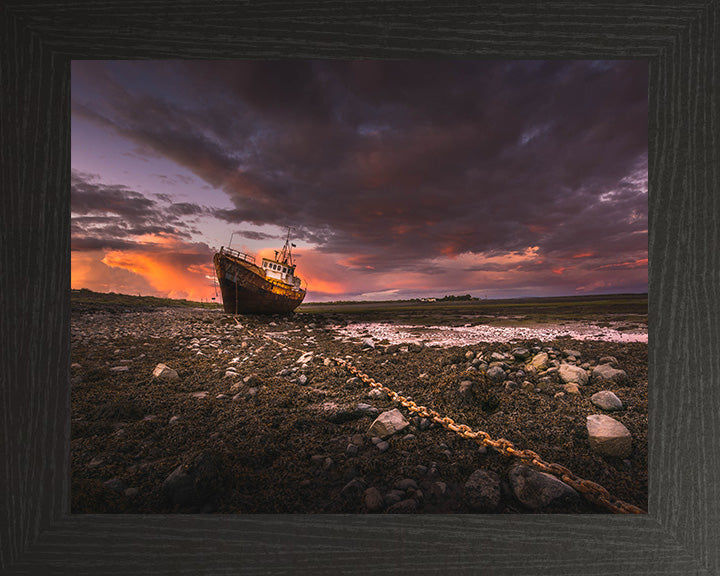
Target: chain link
(592, 491)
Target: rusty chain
(592, 491)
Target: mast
(286, 252)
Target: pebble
(120, 369)
(115, 484)
(496, 374)
(351, 450)
(174, 420)
(382, 445)
(302, 380)
(165, 372)
(202, 394)
(606, 400)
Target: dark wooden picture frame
(680, 534)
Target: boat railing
(238, 254)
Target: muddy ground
(246, 428)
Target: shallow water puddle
(464, 335)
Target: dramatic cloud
(509, 175)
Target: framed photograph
(132, 71)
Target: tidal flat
(236, 422)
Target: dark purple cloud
(396, 162)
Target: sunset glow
(397, 179)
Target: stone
(406, 484)
(302, 380)
(120, 369)
(373, 499)
(367, 343)
(539, 362)
(571, 388)
(115, 484)
(496, 374)
(367, 409)
(573, 353)
(469, 355)
(498, 356)
(179, 487)
(608, 360)
(608, 436)
(165, 372)
(174, 420)
(305, 358)
(569, 373)
(388, 423)
(355, 486)
(482, 491)
(351, 450)
(416, 346)
(520, 353)
(465, 391)
(538, 490)
(403, 507)
(606, 400)
(202, 394)
(607, 372)
(383, 445)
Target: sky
(398, 179)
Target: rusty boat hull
(246, 290)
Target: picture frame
(681, 531)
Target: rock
(571, 388)
(174, 420)
(302, 380)
(393, 497)
(608, 360)
(607, 372)
(606, 400)
(539, 362)
(165, 372)
(497, 356)
(120, 369)
(367, 409)
(482, 491)
(520, 353)
(222, 397)
(511, 385)
(539, 490)
(469, 355)
(115, 484)
(388, 423)
(608, 436)
(375, 393)
(351, 450)
(367, 343)
(573, 353)
(305, 358)
(373, 499)
(496, 374)
(465, 391)
(416, 346)
(202, 394)
(231, 374)
(383, 445)
(403, 507)
(337, 414)
(179, 487)
(405, 484)
(569, 373)
(355, 486)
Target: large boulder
(570, 373)
(538, 490)
(388, 423)
(608, 436)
